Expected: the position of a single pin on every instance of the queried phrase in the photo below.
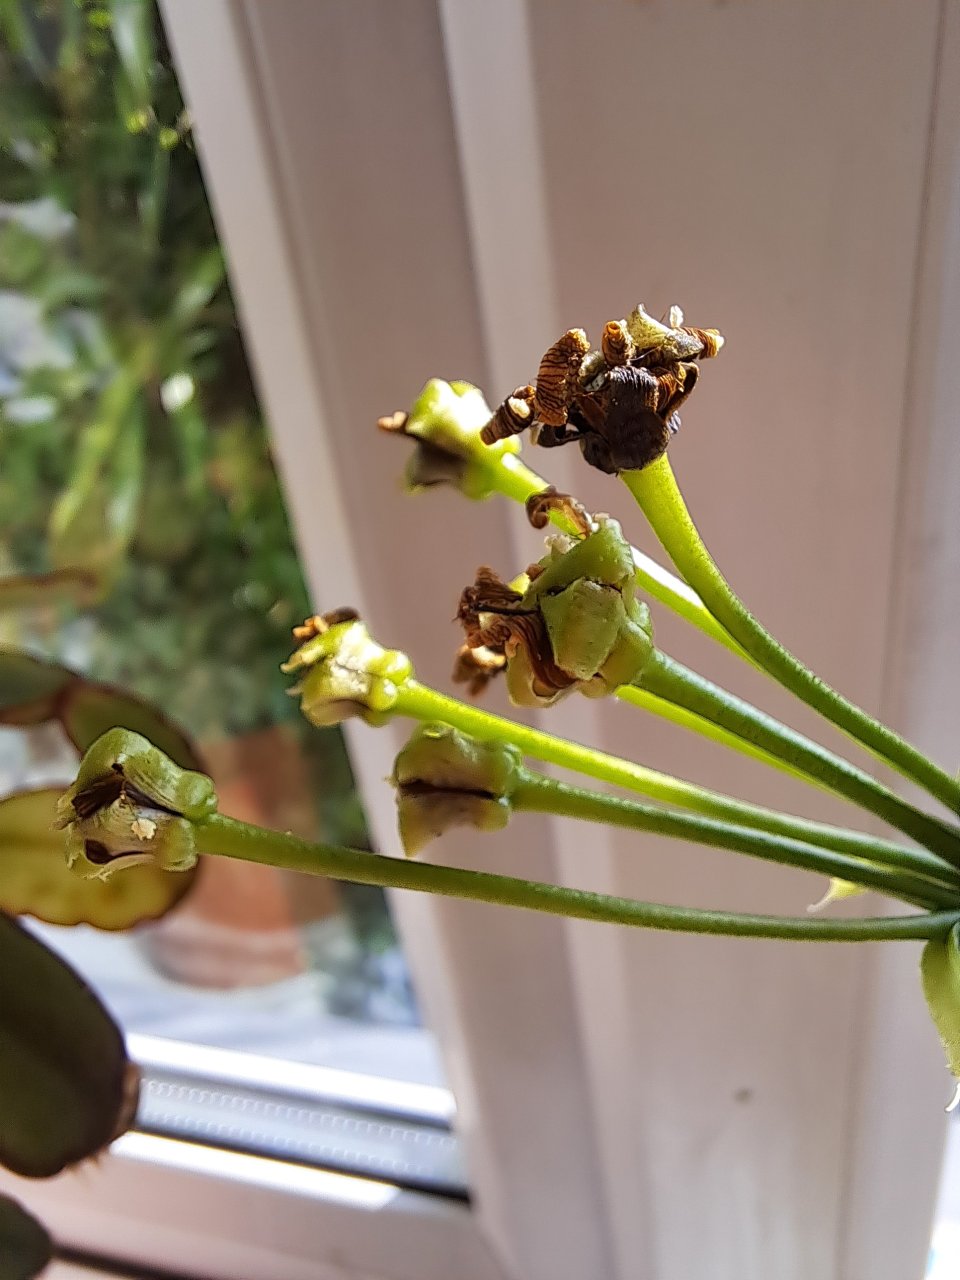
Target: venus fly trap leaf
(87, 710)
(25, 1248)
(36, 880)
(29, 688)
(66, 1086)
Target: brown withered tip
(616, 344)
(712, 340)
(511, 417)
(394, 422)
(477, 667)
(320, 623)
(540, 505)
(558, 378)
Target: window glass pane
(133, 452)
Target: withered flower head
(346, 673)
(446, 779)
(445, 424)
(620, 403)
(578, 623)
(131, 804)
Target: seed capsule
(558, 377)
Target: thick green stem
(423, 703)
(544, 795)
(228, 838)
(680, 716)
(656, 490)
(512, 478)
(671, 680)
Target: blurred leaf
(200, 282)
(25, 1247)
(94, 519)
(88, 710)
(35, 879)
(35, 590)
(29, 688)
(67, 1088)
(132, 31)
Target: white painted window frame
(563, 1100)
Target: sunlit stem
(656, 490)
(420, 702)
(671, 680)
(544, 795)
(232, 839)
(512, 478)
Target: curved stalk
(232, 839)
(684, 719)
(655, 489)
(671, 680)
(420, 702)
(539, 794)
(514, 479)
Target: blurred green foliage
(130, 440)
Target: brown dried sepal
(513, 415)
(477, 667)
(540, 505)
(321, 623)
(492, 619)
(395, 422)
(558, 378)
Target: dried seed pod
(513, 415)
(540, 505)
(616, 343)
(558, 377)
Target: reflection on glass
(132, 447)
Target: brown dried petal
(558, 377)
(396, 422)
(477, 667)
(540, 505)
(712, 340)
(488, 594)
(322, 622)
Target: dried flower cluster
(620, 403)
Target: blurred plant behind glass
(130, 438)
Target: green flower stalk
(215, 834)
(655, 489)
(357, 664)
(446, 778)
(579, 625)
